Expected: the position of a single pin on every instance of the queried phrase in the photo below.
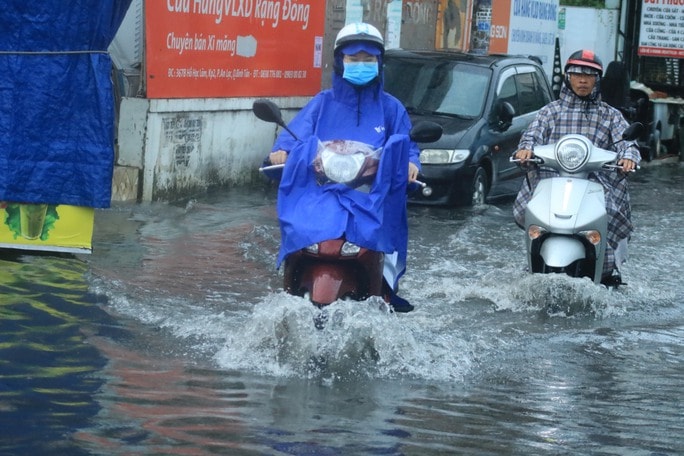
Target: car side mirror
(503, 116)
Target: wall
(185, 146)
(588, 28)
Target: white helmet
(359, 31)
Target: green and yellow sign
(56, 228)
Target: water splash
(364, 339)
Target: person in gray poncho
(579, 110)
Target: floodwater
(174, 338)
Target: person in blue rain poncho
(355, 108)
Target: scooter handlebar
(536, 160)
(618, 167)
(281, 166)
(271, 167)
(539, 161)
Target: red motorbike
(336, 269)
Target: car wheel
(480, 187)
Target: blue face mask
(360, 73)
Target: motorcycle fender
(564, 205)
(328, 282)
(560, 251)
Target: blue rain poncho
(310, 212)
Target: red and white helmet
(584, 61)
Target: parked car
(483, 103)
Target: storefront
(656, 50)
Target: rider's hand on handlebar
(627, 165)
(524, 155)
(412, 172)
(278, 157)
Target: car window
(524, 88)
(507, 90)
(405, 80)
(532, 92)
(466, 93)
(438, 86)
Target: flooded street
(174, 337)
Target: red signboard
(233, 48)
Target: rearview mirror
(268, 111)
(633, 132)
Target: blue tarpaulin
(56, 100)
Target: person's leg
(619, 231)
(390, 274)
(621, 253)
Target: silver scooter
(566, 223)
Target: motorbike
(333, 269)
(566, 222)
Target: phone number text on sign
(280, 74)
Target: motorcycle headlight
(341, 168)
(443, 156)
(572, 152)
